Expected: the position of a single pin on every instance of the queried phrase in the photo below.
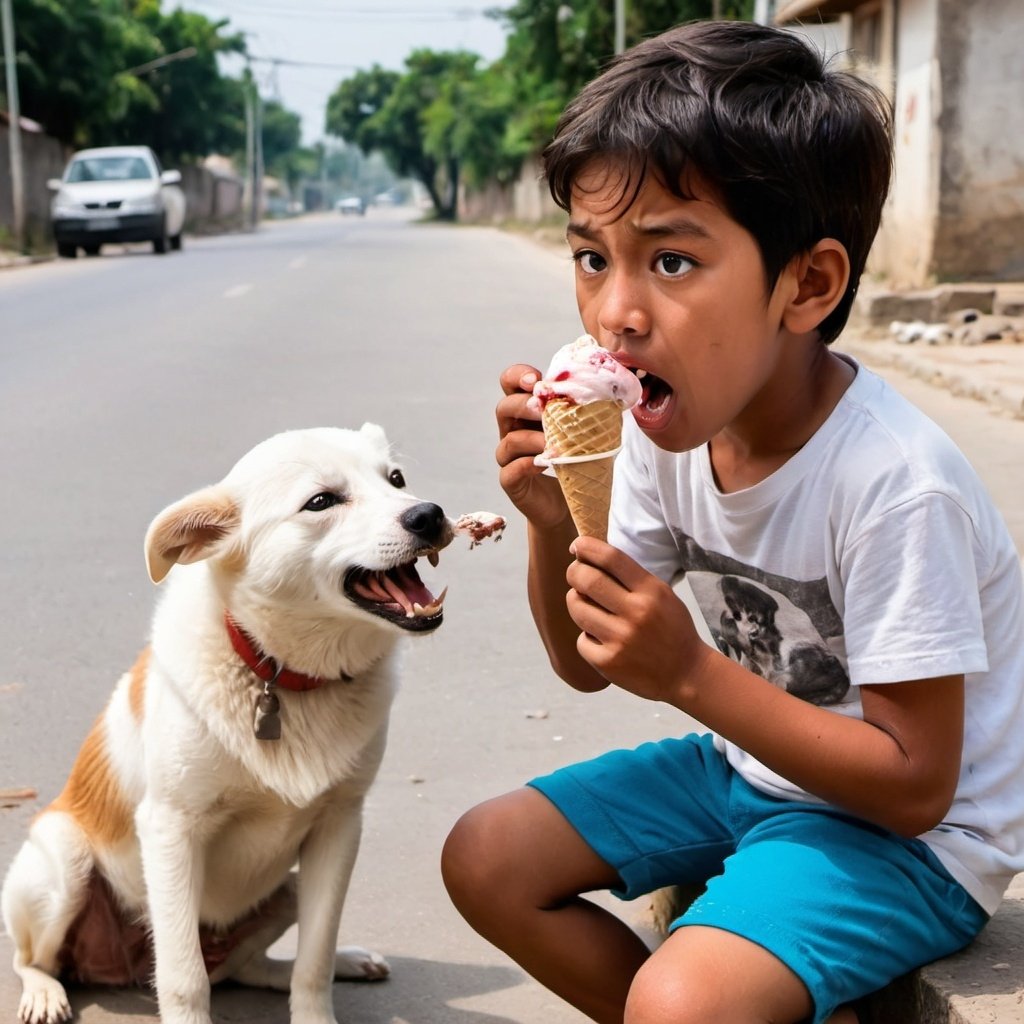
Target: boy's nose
(623, 311)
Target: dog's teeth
(439, 600)
(433, 558)
(640, 374)
(417, 609)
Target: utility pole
(620, 25)
(248, 192)
(257, 186)
(14, 136)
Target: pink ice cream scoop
(583, 372)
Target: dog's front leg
(326, 860)
(172, 861)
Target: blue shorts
(847, 906)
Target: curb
(11, 262)
(983, 381)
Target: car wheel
(91, 250)
(176, 242)
(161, 242)
(67, 252)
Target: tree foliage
(446, 119)
(76, 59)
(555, 47)
(412, 118)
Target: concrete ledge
(993, 374)
(877, 308)
(982, 984)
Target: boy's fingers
(616, 563)
(519, 377)
(513, 413)
(517, 444)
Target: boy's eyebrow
(660, 229)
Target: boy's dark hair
(795, 151)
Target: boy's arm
(550, 530)
(549, 559)
(897, 768)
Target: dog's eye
(321, 502)
(396, 479)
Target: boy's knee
(659, 996)
(474, 856)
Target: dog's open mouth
(398, 595)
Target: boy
(858, 808)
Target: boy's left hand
(636, 631)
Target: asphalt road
(129, 380)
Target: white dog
(242, 742)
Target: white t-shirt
(874, 555)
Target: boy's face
(676, 288)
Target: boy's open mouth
(655, 402)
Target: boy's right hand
(538, 497)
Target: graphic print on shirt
(787, 631)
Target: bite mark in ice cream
(583, 372)
(581, 400)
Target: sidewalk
(991, 372)
(984, 984)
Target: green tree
(190, 109)
(556, 46)
(69, 54)
(410, 118)
(75, 61)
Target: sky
(348, 35)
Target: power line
(362, 14)
(285, 62)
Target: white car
(116, 194)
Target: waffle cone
(587, 486)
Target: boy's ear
(820, 277)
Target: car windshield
(109, 168)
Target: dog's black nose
(426, 520)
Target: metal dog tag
(266, 723)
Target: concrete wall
(957, 206)
(526, 199)
(214, 200)
(903, 250)
(980, 229)
(43, 158)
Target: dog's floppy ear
(188, 530)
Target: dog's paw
(45, 1004)
(357, 964)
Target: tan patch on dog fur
(137, 686)
(92, 795)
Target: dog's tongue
(405, 582)
(403, 587)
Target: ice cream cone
(590, 429)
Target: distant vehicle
(351, 204)
(116, 194)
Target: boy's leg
(515, 869)
(701, 975)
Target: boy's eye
(671, 264)
(589, 261)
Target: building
(954, 70)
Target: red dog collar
(266, 667)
